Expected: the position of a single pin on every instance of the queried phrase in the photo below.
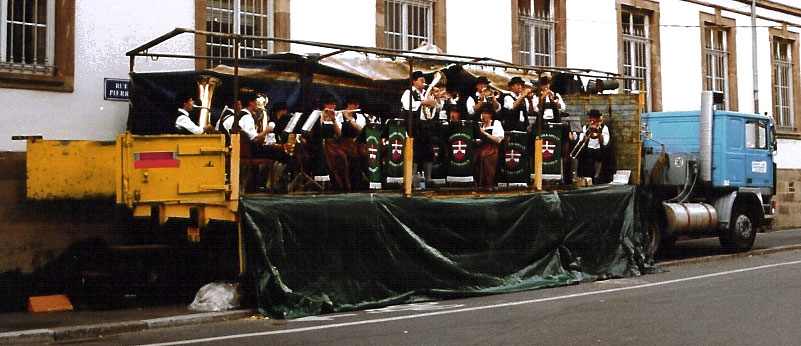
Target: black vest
(511, 118)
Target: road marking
(429, 306)
(470, 309)
(320, 318)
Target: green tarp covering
(315, 254)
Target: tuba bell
(206, 85)
(431, 111)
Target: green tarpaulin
(313, 254)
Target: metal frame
(45, 68)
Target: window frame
(536, 24)
(438, 34)
(278, 26)
(653, 73)
(728, 25)
(63, 55)
(792, 39)
(404, 34)
(631, 41)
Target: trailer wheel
(740, 235)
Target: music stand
(303, 179)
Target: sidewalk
(25, 327)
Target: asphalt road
(741, 300)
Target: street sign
(116, 89)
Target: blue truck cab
(730, 184)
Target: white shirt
(360, 119)
(594, 143)
(228, 123)
(415, 104)
(548, 114)
(497, 129)
(183, 122)
(471, 104)
(248, 125)
(509, 103)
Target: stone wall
(623, 122)
(788, 199)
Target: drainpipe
(754, 56)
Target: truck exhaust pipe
(705, 135)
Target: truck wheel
(740, 235)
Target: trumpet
(490, 92)
(261, 110)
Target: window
(536, 38)
(756, 135)
(783, 84)
(716, 61)
(246, 17)
(407, 23)
(636, 53)
(27, 37)
(719, 57)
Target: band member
(280, 111)
(454, 115)
(592, 156)
(423, 151)
(184, 124)
(518, 105)
(256, 139)
(485, 156)
(550, 103)
(350, 122)
(483, 95)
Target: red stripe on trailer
(156, 159)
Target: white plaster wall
(479, 28)
(592, 35)
(350, 22)
(104, 31)
(787, 154)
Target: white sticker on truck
(759, 166)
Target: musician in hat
(596, 135)
(183, 123)
(423, 149)
(483, 95)
(549, 103)
(485, 156)
(350, 121)
(518, 105)
(256, 141)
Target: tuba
(206, 85)
(431, 111)
(261, 111)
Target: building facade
(55, 55)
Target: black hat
(514, 81)
(482, 79)
(487, 108)
(417, 74)
(324, 99)
(183, 97)
(280, 106)
(246, 95)
(450, 107)
(545, 77)
(352, 100)
(594, 113)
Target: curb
(729, 256)
(90, 331)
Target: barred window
(536, 25)
(716, 60)
(783, 85)
(636, 53)
(27, 36)
(408, 23)
(246, 17)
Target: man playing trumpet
(423, 149)
(483, 96)
(550, 103)
(518, 105)
(596, 135)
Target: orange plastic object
(58, 302)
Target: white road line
(469, 309)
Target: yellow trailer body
(71, 169)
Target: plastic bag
(216, 296)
